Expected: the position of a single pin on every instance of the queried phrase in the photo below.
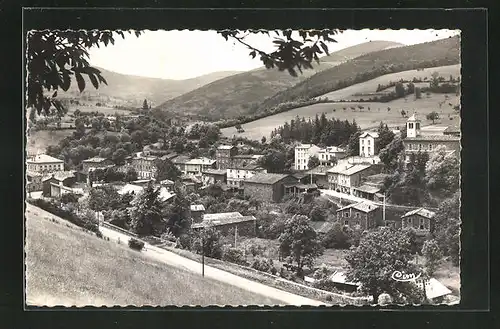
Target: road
(180, 262)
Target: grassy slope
(233, 96)
(328, 79)
(123, 87)
(66, 266)
(365, 119)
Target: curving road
(180, 262)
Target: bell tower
(413, 126)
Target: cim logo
(405, 277)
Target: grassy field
(364, 118)
(66, 266)
(38, 141)
(371, 85)
(237, 94)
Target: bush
(234, 255)
(99, 234)
(329, 298)
(264, 265)
(135, 244)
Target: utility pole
(383, 211)
(235, 235)
(202, 257)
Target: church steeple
(413, 126)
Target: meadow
(66, 266)
(365, 118)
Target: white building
(303, 153)
(327, 155)
(368, 144)
(236, 175)
(43, 163)
(345, 178)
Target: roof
(248, 156)
(144, 157)
(306, 146)
(33, 174)
(319, 170)
(165, 194)
(169, 156)
(248, 166)
(167, 182)
(363, 206)
(322, 227)
(130, 188)
(181, 159)
(373, 134)
(433, 288)
(302, 186)
(339, 277)
(368, 189)
(266, 178)
(434, 128)
(214, 171)
(142, 181)
(413, 117)
(225, 147)
(377, 178)
(355, 169)
(43, 158)
(452, 129)
(334, 149)
(197, 207)
(433, 138)
(60, 175)
(95, 160)
(223, 221)
(221, 215)
(201, 161)
(420, 211)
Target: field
(38, 141)
(66, 266)
(364, 118)
(371, 85)
(102, 109)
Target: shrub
(264, 265)
(135, 244)
(329, 298)
(99, 234)
(234, 255)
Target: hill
(123, 89)
(369, 66)
(242, 93)
(66, 266)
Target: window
(346, 214)
(356, 215)
(362, 142)
(362, 149)
(346, 222)
(369, 142)
(417, 125)
(410, 125)
(421, 226)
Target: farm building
(226, 223)
(267, 187)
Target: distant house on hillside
(421, 220)
(329, 155)
(236, 175)
(33, 181)
(365, 215)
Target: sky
(187, 54)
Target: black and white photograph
(242, 167)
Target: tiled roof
(266, 178)
(43, 158)
(248, 156)
(223, 221)
(197, 207)
(432, 138)
(369, 133)
(248, 166)
(60, 175)
(94, 160)
(319, 170)
(420, 211)
(322, 227)
(363, 206)
(355, 169)
(214, 171)
(181, 159)
(201, 161)
(368, 189)
(303, 186)
(221, 215)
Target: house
(236, 175)
(364, 215)
(371, 187)
(227, 223)
(95, 162)
(197, 165)
(180, 162)
(433, 290)
(190, 183)
(303, 153)
(340, 281)
(267, 187)
(241, 160)
(344, 178)
(144, 165)
(318, 176)
(428, 139)
(213, 176)
(224, 154)
(421, 220)
(167, 183)
(60, 178)
(33, 181)
(299, 188)
(43, 163)
(329, 156)
(368, 144)
(197, 211)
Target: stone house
(224, 154)
(213, 176)
(236, 175)
(60, 178)
(421, 220)
(267, 187)
(33, 181)
(227, 223)
(144, 166)
(364, 215)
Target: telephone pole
(235, 235)
(383, 211)
(202, 257)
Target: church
(427, 139)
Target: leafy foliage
(208, 242)
(103, 198)
(392, 154)
(135, 244)
(337, 238)
(378, 255)
(165, 169)
(447, 227)
(386, 136)
(264, 265)
(299, 243)
(433, 116)
(313, 162)
(234, 255)
(146, 214)
(54, 57)
(442, 173)
(432, 254)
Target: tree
(208, 242)
(318, 214)
(69, 198)
(418, 93)
(400, 89)
(165, 169)
(313, 162)
(433, 116)
(54, 57)
(263, 140)
(385, 135)
(299, 243)
(177, 212)
(145, 105)
(447, 227)
(130, 175)
(337, 238)
(146, 215)
(103, 198)
(274, 161)
(432, 254)
(353, 144)
(434, 83)
(291, 54)
(379, 254)
(442, 172)
(119, 156)
(403, 113)
(391, 155)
